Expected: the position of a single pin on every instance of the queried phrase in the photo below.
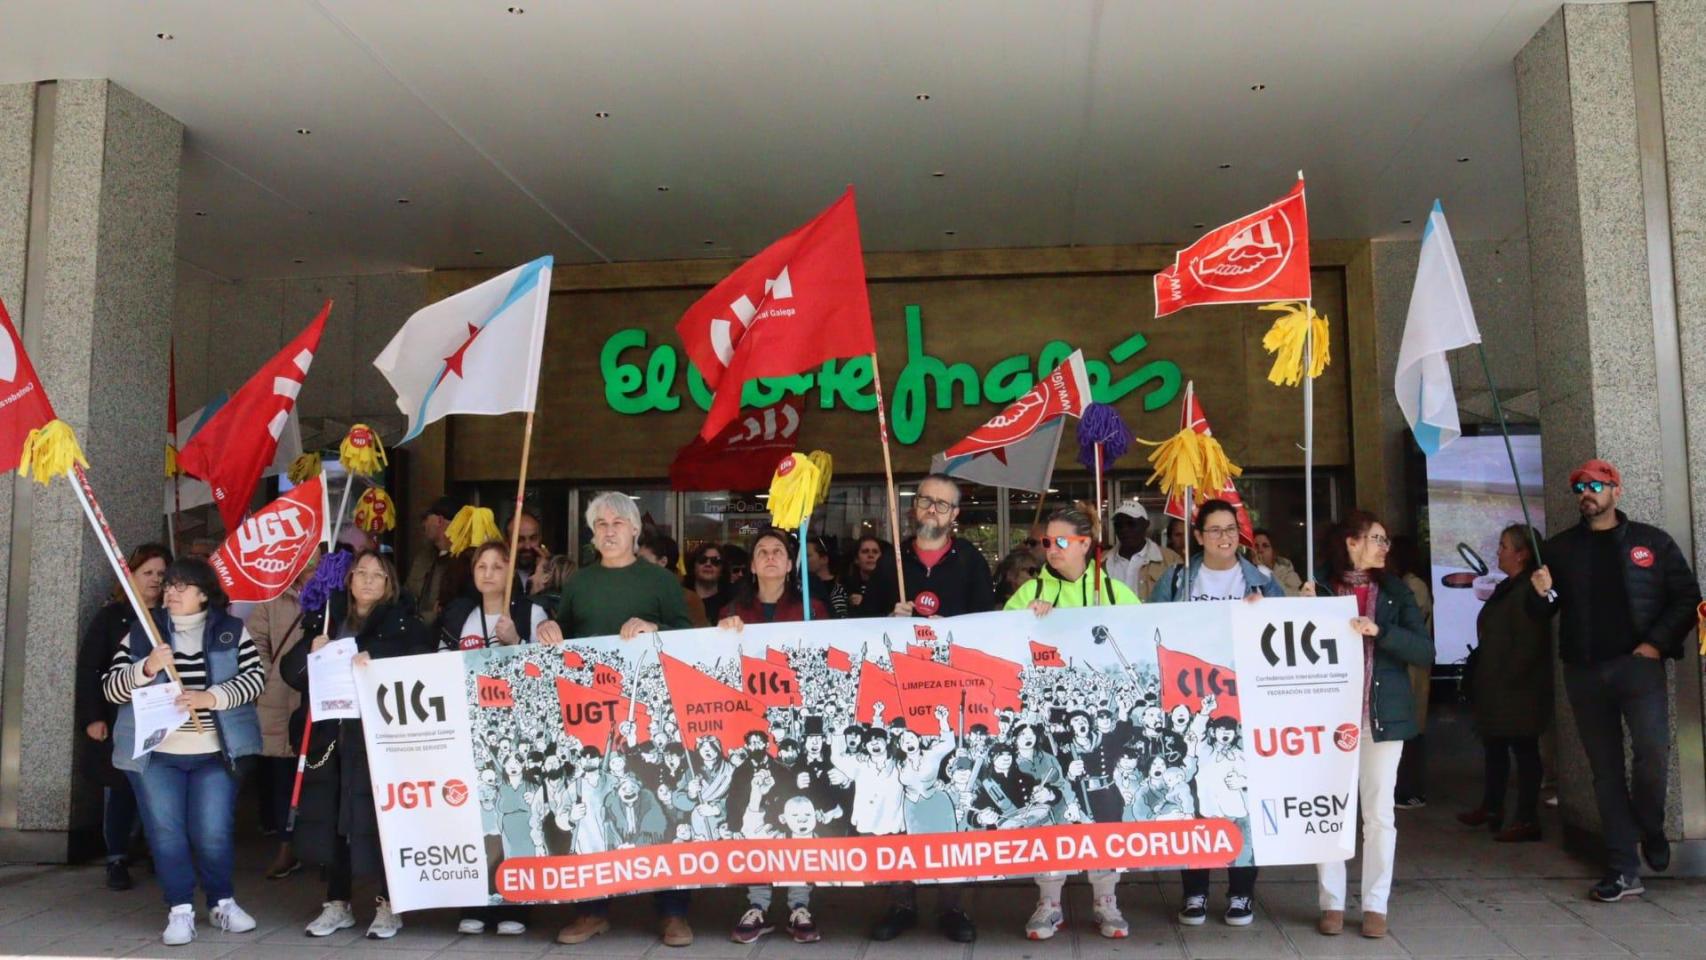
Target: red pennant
(607, 677)
(23, 403)
(799, 302)
(1002, 673)
(265, 554)
(837, 660)
(1043, 655)
(744, 455)
(573, 660)
(494, 691)
(705, 706)
(1186, 679)
(591, 715)
(1258, 258)
(925, 684)
(876, 685)
(774, 685)
(532, 669)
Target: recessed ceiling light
(164, 36)
(710, 243)
(303, 131)
(298, 260)
(1226, 166)
(947, 233)
(1198, 226)
(403, 200)
(602, 114)
(1406, 220)
(518, 11)
(1462, 159)
(201, 213)
(663, 188)
(479, 253)
(1258, 87)
(921, 97)
(938, 174)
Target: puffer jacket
(1511, 684)
(1403, 641)
(1663, 591)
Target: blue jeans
(188, 802)
(668, 903)
(118, 821)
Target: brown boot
(585, 927)
(284, 864)
(1373, 924)
(677, 932)
(1332, 923)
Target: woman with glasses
(708, 578)
(1394, 636)
(1071, 578)
(1218, 572)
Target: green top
(598, 599)
(1047, 585)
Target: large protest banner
(1143, 737)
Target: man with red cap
(1626, 597)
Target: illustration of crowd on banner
(863, 751)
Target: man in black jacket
(1628, 598)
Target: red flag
(776, 656)
(1043, 655)
(265, 553)
(232, 449)
(1255, 259)
(876, 685)
(1186, 679)
(925, 684)
(1002, 673)
(607, 677)
(920, 653)
(494, 691)
(23, 403)
(775, 685)
(1191, 415)
(590, 715)
(573, 660)
(705, 706)
(837, 660)
(532, 669)
(744, 455)
(1017, 447)
(799, 302)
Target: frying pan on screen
(1464, 579)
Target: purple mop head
(1101, 424)
(328, 577)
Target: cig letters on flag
(475, 352)
(1440, 320)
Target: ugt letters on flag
(1440, 320)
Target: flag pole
(520, 493)
(888, 474)
(1308, 424)
(1098, 554)
(1510, 452)
(343, 502)
(172, 415)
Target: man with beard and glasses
(1626, 599)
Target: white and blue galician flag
(1440, 320)
(475, 352)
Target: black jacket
(1511, 684)
(337, 793)
(107, 631)
(1663, 592)
(960, 583)
(448, 630)
(1403, 641)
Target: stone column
(96, 309)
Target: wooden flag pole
(888, 474)
(515, 518)
(1309, 437)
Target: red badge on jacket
(1641, 557)
(926, 604)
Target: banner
(1152, 737)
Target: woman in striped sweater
(187, 786)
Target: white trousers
(1102, 883)
(1377, 778)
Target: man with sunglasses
(1627, 598)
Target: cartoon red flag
(532, 669)
(925, 684)
(23, 403)
(1187, 679)
(1257, 258)
(774, 684)
(590, 714)
(705, 706)
(266, 552)
(231, 450)
(876, 685)
(607, 677)
(1017, 447)
(1191, 416)
(920, 652)
(799, 302)
(1043, 655)
(1003, 674)
(775, 656)
(494, 692)
(744, 455)
(573, 660)
(837, 659)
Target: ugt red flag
(774, 684)
(707, 707)
(1191, 415)
(265, 554)
(23, 403)
(1043, 655)
(744, 455)
(591, 715)
(1255, 259)
(1187, 679)
(925, 683)
(799, 302)
(232, 449)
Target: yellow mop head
(50, 451)
(1285, 340)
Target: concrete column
(97, 303)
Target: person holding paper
(336, 826)
(186, 786)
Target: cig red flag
(230, 452)
(799, 302)
(265, 553)
(775, 685)
(1255, 259)
(1191, 417)
(1186, 679)
(23, 403)
(744, 455)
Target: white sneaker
(511, 928)
(180, 926)
(334, 915)
(1109, 922)
(471, 925)
(1045, 920)
(385, 923)
(227, 916)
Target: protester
(201, 548)
(820, 568)
(106, 635)
(868, 556)
(1627, 598)
(432, 579)
(557, 570)
(1510, 691)
(1394, 636)
(1036, 538)
(1015, 570)
(768, 598)
(1136, 560)
(1405, 561)
(276, 626)
(661, 549)
(1217, 572)
(620, 595)
(1175, 536)
(945, 576)
(738, 562)
(1072, 579)
(336, 826)
(187, 786)
(1280, 568)
(532, 557)
(708, 578)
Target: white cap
(1132, 508)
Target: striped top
(123, 676)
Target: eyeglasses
(1379, 540)
(1597, 486)
(934, 505)
(1219, 533)
(1061, 543)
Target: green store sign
(641, 378)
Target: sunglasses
(1061, 543)
(1597, 486)
(711, 561)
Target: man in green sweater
(620, 595)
